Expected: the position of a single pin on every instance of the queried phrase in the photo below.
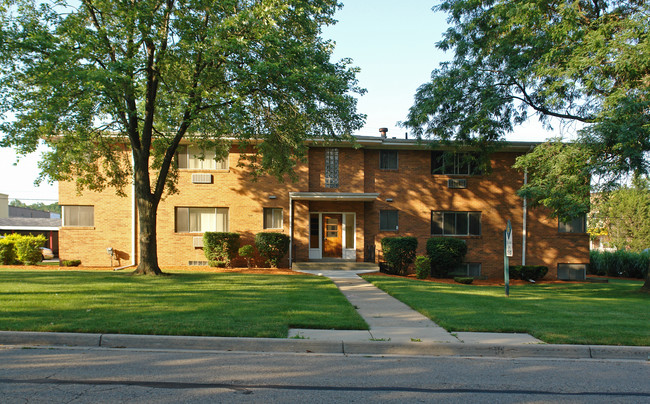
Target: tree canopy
(582, 61)
(94, 77)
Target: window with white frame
(576, 225)
(331, 168)
(388, 159)
(388, 220)
(200, 220)
(78, 216)
(272, 218)
(456, 223)
(192, 157)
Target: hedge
(527, 272)
(620, 263)
(220, 246)
(399, 253)
(7, 252)
(422, 267)
(445, 253)
(272, 246)
(18, 248)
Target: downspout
(290, 231)
(134, 225)
(525, 230)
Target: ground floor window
(467, 269)
(79, 216)
(272, 218)
(388, 220)
(200, 220)
(456, 223)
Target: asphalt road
(99, 375)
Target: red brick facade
(363, 191)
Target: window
(331, 168)
(80, 216)
(200, 220)
(454, 163)
(467, 269)
(456, 223)
(577, 225)
(388, 159)
(190, 157)
(272, 218)
(388, 220)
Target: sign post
(507, 253)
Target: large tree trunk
(147, 213)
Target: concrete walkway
(391, 320)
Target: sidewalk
(393, 321)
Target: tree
(584, 62)
(51, 207)
(114, 86)
(625, 213)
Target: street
(99, 375)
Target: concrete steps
(335, 265)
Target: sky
(393, 43)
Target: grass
(613, 313)
(242, 305)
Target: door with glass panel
(332, 235)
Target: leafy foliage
(71, 263)
(625, 215)
(445, 253)
(25, 249)
(220, 246)
(247, 251)
(399, 253)
(583, 62)
(7, 251)
(422, 267)
(619, 263)
(50, 207)
(98, 79)
(272, 246)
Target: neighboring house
(345, 200)
(34, 226)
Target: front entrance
(332, 236)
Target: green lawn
(181, 304)
(614, 313)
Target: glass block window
(331, 168)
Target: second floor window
(331, 168)
(576, 225)
(192, 157)
(456, 223)
(388, 159)
(449, 163)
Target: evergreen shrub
(399, 253)
(220, 246)
(445, 253)
(272, 246)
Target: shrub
(619, 263)
(217, 264)
(422, 267)
(527, 272)
(220, 246)
(70, 263)
(247, 252)
(399, 253)
(464, 280)
(272, 246)
(28, 248)
(445, 253)
(7, 251)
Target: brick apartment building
(345, 200)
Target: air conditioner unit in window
(197, 242)
(457, 183)
(201, 178)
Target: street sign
(509, 240)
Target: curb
(228, 344)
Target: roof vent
(383, 132)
